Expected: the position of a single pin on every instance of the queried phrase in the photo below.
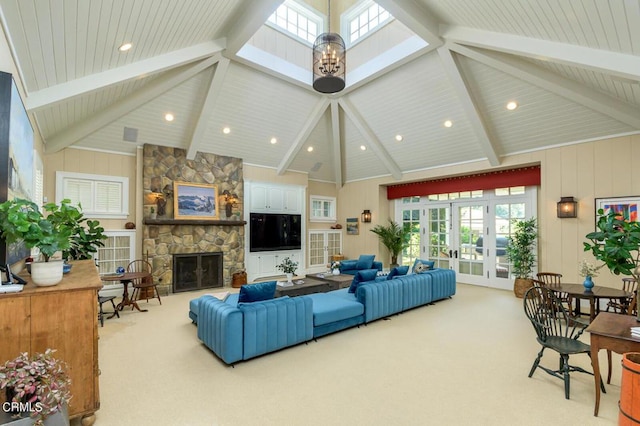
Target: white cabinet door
(323, 245)
(259, 202)
(292, 201)
(275, 200)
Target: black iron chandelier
(329, 54)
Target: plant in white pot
(22, 220)
(38, 385)
(521, 251)
(289, 267)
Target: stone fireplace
(166, 239)
(195, 271)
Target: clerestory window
(297, 20)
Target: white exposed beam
(63, 92)
(605, 61)
(469, 105)
(415, 18)
(215, 87)
(157, 87)
(335, 143)
(250, 17)
(371, 138)
(555, 83)
(304, 133)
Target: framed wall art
(626, 206)
(352, 226)
(195, 201)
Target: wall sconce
(567, 207)
(366, 216)
(161, 203)
(230, 200)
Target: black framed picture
(16, 156)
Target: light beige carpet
(462, 361)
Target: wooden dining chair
(551, 279)
(622, 306)
(143, 288)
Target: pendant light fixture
(329, 54)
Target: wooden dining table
(126, 279)
(578, 292)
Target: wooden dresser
(62, 317)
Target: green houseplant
(616, 242)
(394, 237)
(521, 252)
(39, 384)
(288, 266)
(61, 229)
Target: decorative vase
(588, 282)
(335, 271)
(45, 274)
(289, 277)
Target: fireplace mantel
(196, 222)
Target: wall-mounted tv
(16, 156)
(270, 232)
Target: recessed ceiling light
(512, 105)
(310, 149)
(169, 117)
(274, 141)
(125, 47)
(448, 123)
(399, 138)
(226, 130)
(362, 147)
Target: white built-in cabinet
(322, 245)
(267, 198)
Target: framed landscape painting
(195, 201)
(625, 206)
(352, 226)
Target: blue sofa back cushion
(348, 264)
(256, 292)
(430, 263)
(362, 276)
(365, 261)
(398, 270)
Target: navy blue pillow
(257, 292)
(362, 276)
(398, 270)
(365, 261)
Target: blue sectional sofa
(241, 331)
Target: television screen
(268, 231)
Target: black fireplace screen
(195, 271)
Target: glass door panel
(438, 236)
(469, 222)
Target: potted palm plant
(521, 252)
(22, 220)
(616, 243)
(38, 385)
(394, 237)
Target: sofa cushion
(365, 261)
(347, 265)
(329, 308)
(429, 263)
(398, 270)
(257, 292)
(362, 276)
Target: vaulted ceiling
(572, 67)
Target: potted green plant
(521, 252)
(288, 266)
(616, 243)
(394, 237)
(22, 220)
(38, 385)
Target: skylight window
(364, 18)
(297, 21)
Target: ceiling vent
(316, 167)
(130, 134)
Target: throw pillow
(257, 292)
(348, 265)
(362, 276)
(420, 267)
(430, 263)
(365, 261)
(397, 271)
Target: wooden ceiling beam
(416, 18)
(336, 145)
(250, 17)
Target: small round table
(578, 291)
(125, 279)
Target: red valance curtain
(522, 176)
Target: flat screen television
(269, 232)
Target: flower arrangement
(287, 266)
(587, 269)
(39, 383)
(335, 265)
